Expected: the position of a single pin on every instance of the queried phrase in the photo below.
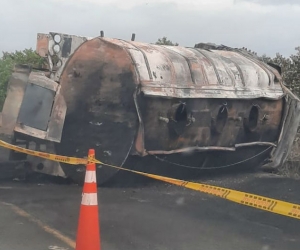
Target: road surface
(155, 216)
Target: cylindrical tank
(190, 106)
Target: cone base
(88, 233)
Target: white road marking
(5, 187)
(57, 248)
(42, 225)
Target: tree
(290, 68)
(165, 41)
(9, 60)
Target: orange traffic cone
(88, 232)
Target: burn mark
(219, 122)
(76, 73)
(251, 121)
(213, 124)
(181, 113)
(66, 48)
(178, 120)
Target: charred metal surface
(58, 47)
(213, 123)
(247, 144)
(36, 107)
(32, 121)
(15, 92)
(42, 111)
(101, 112)
(44, 166)
(204, 106)
(178, 72)
(184, 99)
(211, 88)
(190, 150)
(42, 44)
(288, 131)
(56, 122)
(39, 79)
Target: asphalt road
(155, 216)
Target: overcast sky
(265, 26)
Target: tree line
(7, 62)
(290, 69)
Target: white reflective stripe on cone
(90, 177)
(89, 199)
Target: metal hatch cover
(42, 111)
(36, 107)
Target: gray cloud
(271, 2)
(262, 31)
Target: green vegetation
(290, 67)
(165, 41)
(7, 62)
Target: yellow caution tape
(252, 200)
(53, 157)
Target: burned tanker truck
(203, 106)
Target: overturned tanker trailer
(206, 106)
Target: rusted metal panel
(210, 92)
(260, 143)
(39, 79)
(171, 125)
(14, 97)
(42, 44)
(201, 68)
(27, 130)
(55, 122)
(288, 131)
(45, 166)
(140, 62)
(172, 71)
(188, 72)
(101, 110)
(36, 107)
(254, 76)
(127, 97)
(51, 119)
(61, 46)
(57, 119)
(190, 150)
(58, 47)
(160, 67)
(202, 106)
